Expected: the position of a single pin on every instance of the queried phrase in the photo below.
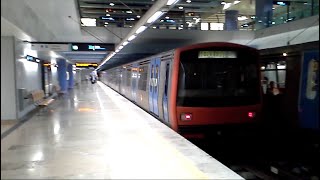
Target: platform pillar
(264, 13)
(62, 75)
(71, 77)
(231, 20)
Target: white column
(8, 84)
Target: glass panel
(218, 82)
(312, 82)
(282, 79)
(143, 78)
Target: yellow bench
(39, 98)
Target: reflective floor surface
(94, 133)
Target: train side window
(167, 80)
(128, 77)
(143, 78)
(156, 76)
(312, 81)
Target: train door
(134, 81)
(165, 94)
(153, 85)
(309, 91)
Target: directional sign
(92, 47)
(50, 47)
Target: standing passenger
(273, 90)
(93, 77)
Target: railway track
(257, 156)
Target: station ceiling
(186, 14)
(115, 19)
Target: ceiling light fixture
(141, 29)
(125, 43)
(226, 6)
(180, 7)
(111, 4)
(242, 18)
(171, 2)
(131, 37)
(188, 1)
(236, 2)
(88, 22)
(155, 16)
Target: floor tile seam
(22, 121)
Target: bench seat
(39, 99)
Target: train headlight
(251, 114)
(186, 116)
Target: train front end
(214, 85)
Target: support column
(62, 75)
(71, 77)
(263, 14)
(231, 20)
(9, 106)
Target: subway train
(195, 88)
(295, 69)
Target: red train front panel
(214, 84)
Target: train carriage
(194, 88)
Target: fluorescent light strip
(171, 2)
(132, 37)
(226, 6)
(120, 47)
(88, 21)
(125, 43)
(141, 29)
(236, 2)
(155, 16)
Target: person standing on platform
(93, 77)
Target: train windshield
(218, 78)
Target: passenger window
(312, 81)
(276, 72)
(156, 76)
(143, 78)
(151, 77)
(166, 81)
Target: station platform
(94, 133)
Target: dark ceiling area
(125, 13)
(185, 15)
(144, 47)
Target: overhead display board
(86, 64)
(92, 47)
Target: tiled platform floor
(94, 133)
